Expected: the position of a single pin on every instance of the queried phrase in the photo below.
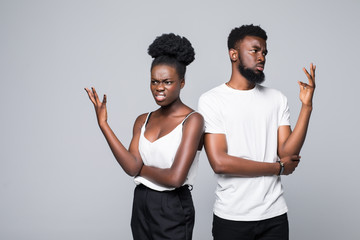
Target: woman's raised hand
(100, 107)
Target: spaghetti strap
(187, 116)
(147, 118)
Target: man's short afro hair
(173, 46)
(240, 33)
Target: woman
(165, 147)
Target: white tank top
(161, 154)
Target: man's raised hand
(307, 89)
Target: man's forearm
(296, 139)
(230, 165)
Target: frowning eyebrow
(257, 47)
(162, 80)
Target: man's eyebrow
(256, 45)
(259, 47)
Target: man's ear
(233, 54)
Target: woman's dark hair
(239, 33)
(172, 50)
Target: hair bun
(173, 46)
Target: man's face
(252, 51)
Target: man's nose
(261, 57)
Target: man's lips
(260, 67)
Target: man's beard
(251, 75)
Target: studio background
(58, 178)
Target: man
(249, 142)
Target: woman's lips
(160, 97)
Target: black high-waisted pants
(162, 215)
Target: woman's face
(165, 84)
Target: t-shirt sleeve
(284, 112)
(210, 110)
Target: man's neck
(239, 82)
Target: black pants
(162, 215)
(276, 228)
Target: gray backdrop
(58, 178)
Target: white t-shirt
(161, 153)
(250, 120)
